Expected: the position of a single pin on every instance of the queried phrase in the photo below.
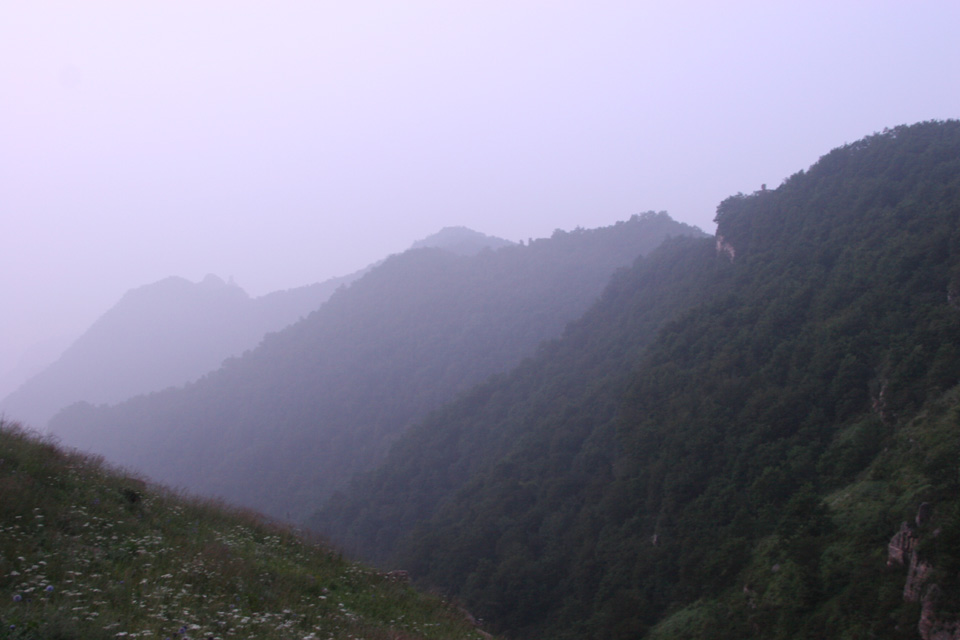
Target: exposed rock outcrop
(902, 550)
(932, 626)
(917, 577)
(901, 546)
(725, 248)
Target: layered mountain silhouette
(171, 332)
(754, 435)
(285, 424)
(157, 336)
(751, 435)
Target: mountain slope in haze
(88, 552)
(461, 241)
(173, 331)
(30, 361)
(725, 445)
(578, 377)
(287, 423)
(160, 335)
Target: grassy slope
(88, 552)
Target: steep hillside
(727, 450)
(173, 331)
(157, 336)
(579, 378)
(87, 552)
(292, 420)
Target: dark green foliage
(284, 425)
(682, 462)
(569, 380)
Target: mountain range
(174, 331)
(753, 435)
(634, 431)
(160, 335)
(282, 426)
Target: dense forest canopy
(724, 445)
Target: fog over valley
(474, 320)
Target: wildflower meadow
(89, 552)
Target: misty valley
(631, 431)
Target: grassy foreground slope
(87, 552)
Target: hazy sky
(282, 143)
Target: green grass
(89, 552)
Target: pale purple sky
(283, 143)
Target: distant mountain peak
(461, 241)
(213, 280)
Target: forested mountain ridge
(163, 334)
(579, 375)
(727, 461)
(285, 424)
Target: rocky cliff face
(724, 248)
(901, 546)
(934, 624)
